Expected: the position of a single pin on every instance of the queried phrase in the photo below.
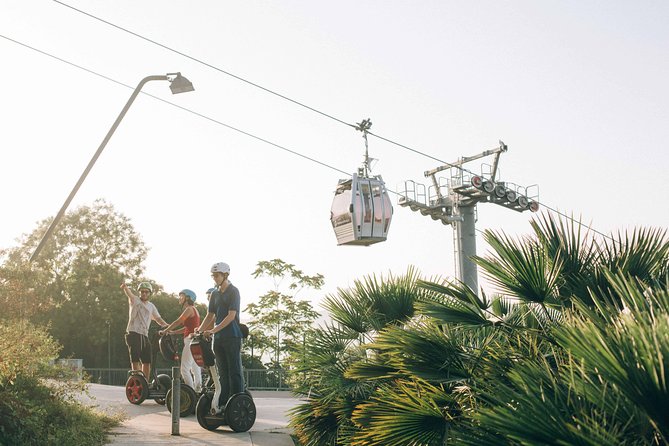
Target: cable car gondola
(361, 209)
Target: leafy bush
(32, 411)
(26, 350)
(574, 350)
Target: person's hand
(124, 286)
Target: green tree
(358, 315)
(280, 321)
(74, 284)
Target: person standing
(190, 319)
(140, 314)
(224, 309)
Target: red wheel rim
(133, 390)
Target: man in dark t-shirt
(224, 309)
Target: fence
(256, 379)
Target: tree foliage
(574, 350)
(73, 285)
(280, 321)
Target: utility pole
(108, 351)
(453, 201)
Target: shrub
(32, 411)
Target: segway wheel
(136, 389)
(240, 412)
(187, 400)
(163, 384)
(204, 419)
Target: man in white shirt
(140, 314)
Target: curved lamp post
(178, 84)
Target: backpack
(245, 330)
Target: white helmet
(220, 267)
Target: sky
(577, 90)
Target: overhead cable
(251, 134)
(177, 106)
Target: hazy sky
(578, 90)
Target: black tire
(204, 419)
(163, 384)
(187, 400)
(240, 412)
(136, 389)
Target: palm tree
(573, 350)
(357, 315)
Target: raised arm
(126, 290)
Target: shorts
(139, 347)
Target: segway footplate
(204, 419)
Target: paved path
(151, 424)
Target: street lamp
(178, 84)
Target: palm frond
(454, 312)
(425, 352)
(630, 351)
(455, 290)
(349, 309)
(374, 302)
(539, 405)
(572, 249)
(643, 254)
(403, 415)
(521, 269)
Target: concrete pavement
(151, 424)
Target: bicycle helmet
(146, 286)
(189, 294)
(220, 267)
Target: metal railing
(256, 379)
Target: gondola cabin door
(361, 211)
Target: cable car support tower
(453, 201)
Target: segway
(187, 396)
(239, 411)
(138, 389)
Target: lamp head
(179, 84)
(500, 191)
(533, 206)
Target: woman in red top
(190, 319)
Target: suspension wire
(194, 59)
(220, 70)
(178, 106)
(363, 126)
(359, 126)
(412, 150)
